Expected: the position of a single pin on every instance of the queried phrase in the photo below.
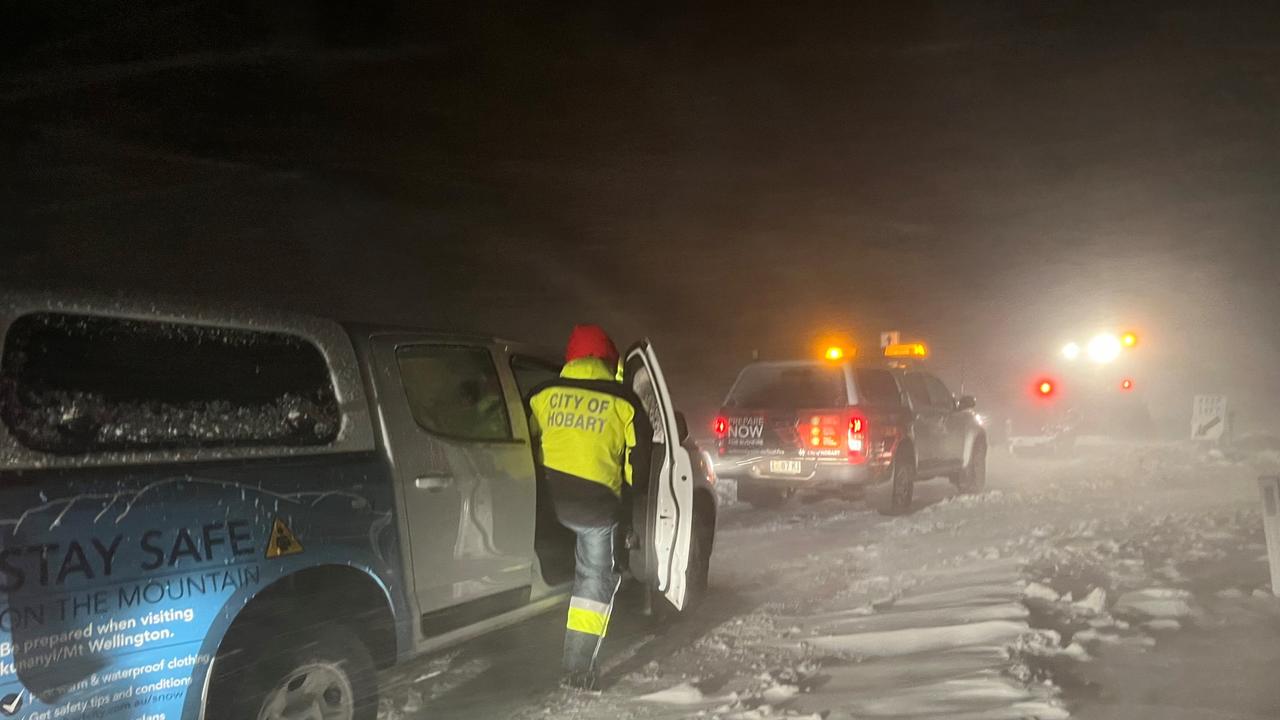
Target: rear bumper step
(761, 470)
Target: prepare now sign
(1208, 417)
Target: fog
(994, 180)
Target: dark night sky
(995, 177)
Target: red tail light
(721, 427)
(859, 439)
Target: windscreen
(76, 384)
(789, 386)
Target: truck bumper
(811, 474)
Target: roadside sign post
(1270, 488)
(1208, 417)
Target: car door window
(917, 391)
(643, 386)
(454, 391)
(532, 372)
(939, 396)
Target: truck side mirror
(682, 427)
(966, 402)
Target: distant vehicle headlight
(1104, 348)
(1071, 351)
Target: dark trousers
(595, 585)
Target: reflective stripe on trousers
(588, 616)
(595, 584)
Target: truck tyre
(763, 496)
(322, 671)
(901, 488)
(699, 570)
(973, 478)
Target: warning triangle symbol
(283, 541)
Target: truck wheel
(318, 672)
(901, 487)
(974, 476)
(763, 497)
(699, 570)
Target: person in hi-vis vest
(589, 427)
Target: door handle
(432, 483)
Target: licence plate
(785, 467)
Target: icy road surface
(1128, 582)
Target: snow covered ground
(1127, 582)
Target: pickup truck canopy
(100, 381)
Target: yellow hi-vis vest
(585, 433)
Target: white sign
(1208, 417)
(890, 337)
(1270, 487)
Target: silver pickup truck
(785, 426)
(231, 514)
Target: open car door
(663, 506)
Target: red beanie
(591, 341)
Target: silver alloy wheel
(319, 691)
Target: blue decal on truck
(112, 604)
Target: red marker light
(1126, 384)
(859, 439)
(1045, 388)
(720, 427)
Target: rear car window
(454, 391)
(877, 387)
(789, 386)
(78, 384)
